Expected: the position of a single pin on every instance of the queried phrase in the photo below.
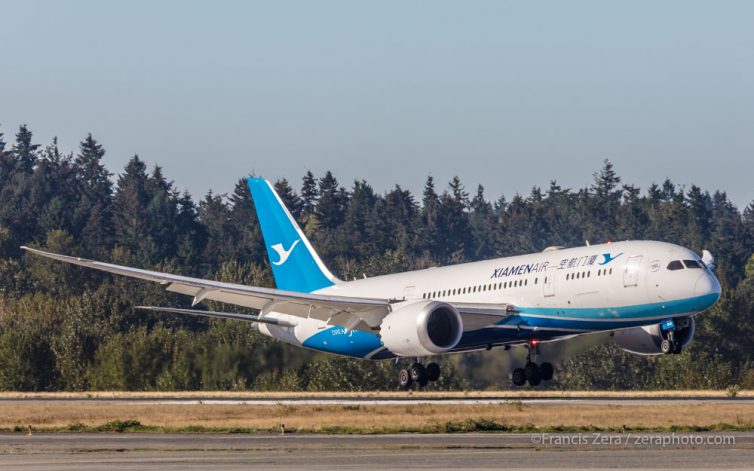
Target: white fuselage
(556, 292)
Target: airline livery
(642, 294)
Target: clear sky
(507, 94)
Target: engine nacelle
(646, 340)
(421, 328)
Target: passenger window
(692, 264)
(675, 265)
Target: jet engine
(421, 328)
(646, 340)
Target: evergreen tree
(607, 200)
(309, 195)
(129, 207)
(331, 204)
(245, 234)
(93, 213)
(429, 215)
(289, 197)
(24, 152)
(455, 241)
(482, 224)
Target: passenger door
(549, 284)
(631, 275)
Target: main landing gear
(419, 374)
(532, 372)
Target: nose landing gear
(671, 344)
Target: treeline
(66, 328)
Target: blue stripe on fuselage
(637, 311)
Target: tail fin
(295, 264)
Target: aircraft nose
(707, 284)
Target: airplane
(644, 295)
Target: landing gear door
(631, 275)
(549, 284)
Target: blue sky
(507, 94)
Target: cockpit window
(675, 265)
(692, 264)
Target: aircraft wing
(290, 302)
(353, 312)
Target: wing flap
(477, 316)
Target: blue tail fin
(295, 264)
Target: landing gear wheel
(667, 347)
(433, 372)
(404, 378)
(531, 370)
(535, 380)
(419, 374)
(678, 348)
(519, 377)
(545, 371)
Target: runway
(137, 451)
(406, 400)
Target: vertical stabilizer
(295, 264)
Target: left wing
(355, 312)
(319, 306)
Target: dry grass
(511, 394)
(60, 415)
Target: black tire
(518, 377)
(535, 380)
(531, 370)
(678, 348)
(404, 379)
(433, 372)
(545, 371)
(666, 346)
(418, 373)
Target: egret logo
(609, 258)
(282, 253)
